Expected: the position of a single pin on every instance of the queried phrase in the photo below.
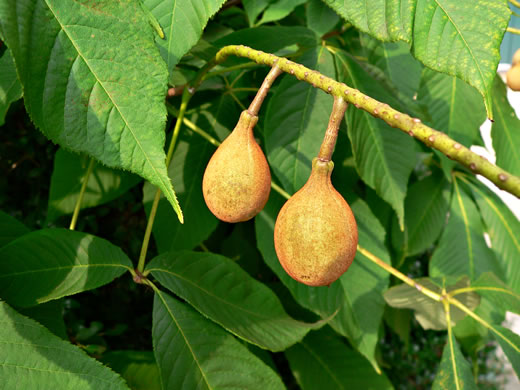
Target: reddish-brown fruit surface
(513, 78)
(315, 235)
(237, 180)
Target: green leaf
(462, 249)
(254, 8)
(219, 118)
(395, 59)
(441, 33)
(52, 263)
(295, 122)
(502, 296)
(454, 371)
(93, 81)
(182, 22)
(322, 360)
(444, 39)
(429, 313)
(10, 229)
(505, 130)
(104, 184)
(194, 353)
(386, 20)
(279, 10)
(503, 227)
(384, 158)
(510, 343)
(10, 87)
(472, 335)
(400, 321)
(270, 39)
(31, 357)
(189, 161)
(426, 205)
(222, 291)
(455, 108)
(320, 18)
(138, 368)
(50, 315)
(356, 299)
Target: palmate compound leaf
(224, 292)
(429, 313)
(182, 22)
(194, 353)
(443, 34)
(51, 263)
(93, 80)
(355, 299)
(31, 357)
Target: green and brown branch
(412, 126)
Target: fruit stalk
(331, 134)
(412, 126)
(255, 105)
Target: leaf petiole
(77, 208)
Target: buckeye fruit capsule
(315, 235)
(237, 180)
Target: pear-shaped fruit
(237, 180)
(513, 78)
(315, 235)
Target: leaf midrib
(323, 364)
(252, 313)
(74, 266)
(466, 228)
(184, 336)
